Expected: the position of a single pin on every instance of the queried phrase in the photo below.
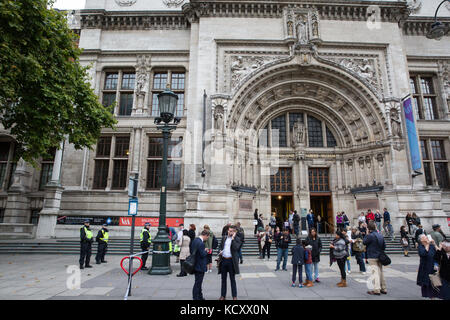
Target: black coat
(316, 248)
(426, 266)
(298, 254)
(235, 246)
(282, 243)
(444, 264)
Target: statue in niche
(395, 123)
(298, 133)
(380, 159)
(290, 28)
(140, 83)
(314, 25)
(302, 36)
(218, 121)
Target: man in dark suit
(229, 250)
(198, 246)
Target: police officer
(86, 240)
(146, 240)
(102, 239)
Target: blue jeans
(360, 261)
(308, 271)
(316, 270)
(348, 265)
(282, 253)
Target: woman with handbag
(427, 252)
(404, 241)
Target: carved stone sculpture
(395, 123)
(298, 133)
(218, 120)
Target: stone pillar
(52, 200)
(18, 207)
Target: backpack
(215, 243)
(358, 245)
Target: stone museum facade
(290, 104)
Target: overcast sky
(69, 4)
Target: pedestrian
(387, 224)
(358, 248)
(241, 234)
(273, 222)
(369, 216)
(409, 223)
(184, 242)
(415, 220)
(102, 240)
(146, 240)
(427, 252)
(229, 251)
(291, 222)
(260, 222)
(375, 245)
(268, 238)
(348, 234)
(200, 252)
(298, 260)
(86, 240)
(339, 252)
(191, 232)
(339, 221)
(178, 241)
(417, 234)
(378, 220)
(209, 246)
(310, 220)
(437, 235)
(443, 259)
(261, 240)
(361, 218)
(283, 239)
(255, 222)
(319, 223)
(314, 241)
(296, 223)
(225, 229)
(308, 264)
(346, 220)
(404, 241)
(171, 235)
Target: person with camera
(375, 246)
(427, 252)
(229, 261)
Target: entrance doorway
(321, 206)
(281, 205)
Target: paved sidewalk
(44, 277)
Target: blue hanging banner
(413, 141)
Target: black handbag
(384, 259)
(189, 263)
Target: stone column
(18, 207)
(52, 200)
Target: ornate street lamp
(438, 29)
(167, 101)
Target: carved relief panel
(301, 25)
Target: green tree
(45, 93)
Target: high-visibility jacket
(88, 233)
(149, 240)
(105, 236)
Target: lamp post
(167, 101)
(438, 29)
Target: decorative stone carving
(301, 25)
(443, 73)
(414, 5)
(380, 159)
(350, 164)
(142, 71)
(298, 133)
(361, 162)
(173, 3)
(368, 161)
(218, 119)
(396, 125)
(125, 3)
(242, 66)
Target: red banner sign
(448, 221)
(154, 222)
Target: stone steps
(122, 246)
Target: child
(308, 264)
(298, 256)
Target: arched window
(319, 134)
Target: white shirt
(180, 237)
(227, 248)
